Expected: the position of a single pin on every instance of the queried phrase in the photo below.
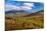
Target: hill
(31, 21)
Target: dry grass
(31, 22)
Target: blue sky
(28, 7)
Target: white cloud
(27, 6)
(9, 7)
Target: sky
(26, 6)
(28, 0)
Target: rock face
(32, 21)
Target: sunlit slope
(32, 21)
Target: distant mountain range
(22, 13)
(36, 13)
(14, 11)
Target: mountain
(29, 21)
(36, 13)
(14, 11)
(22, 13)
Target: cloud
(26, 6)
(9, 7)
(29, 4)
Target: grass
(29, 22)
